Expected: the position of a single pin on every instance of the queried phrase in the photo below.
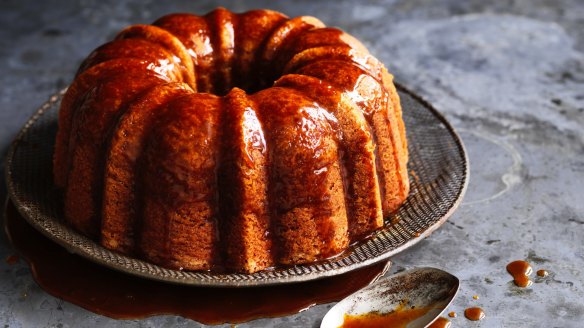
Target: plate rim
(28, 214)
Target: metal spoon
(427, 288)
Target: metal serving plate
(438, 175)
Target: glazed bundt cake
(231, 142)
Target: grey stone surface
(508, 74)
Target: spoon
(428, 289)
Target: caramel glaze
(123, 296)
(100, 104)
(162, 155)
(452, 314)
(542, 273)
(358, 159)
(195, 34)
(520, 271)
(474, 314)
(246, 214)
(179, 198)
(307, 203)
(119, 217)
(373, 98)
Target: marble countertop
(509, 75)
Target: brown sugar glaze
(121, 296)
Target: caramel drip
(169, 42)
(387, 81)
(180, 185)
(303, 186)
(194, 33)
(440, 322)
(251, 36)
(222, 25)
(474, 314)
(120, 211)
(325, 42)
(104, 104)
(162, 60)
(246, 234)
(520, 271)
(362, 86)
(340, 52)
(70, 106)
(276, 52)
(363, 201)
(12, 259)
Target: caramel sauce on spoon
(398, 319)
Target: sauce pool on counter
(520, 271)
(122, 296)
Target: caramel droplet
(452, 314)
(12, 259)
(474, 314)
(440, 323)
(476, 297)
(520, 271)
(542, 273)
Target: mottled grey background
(508, 74)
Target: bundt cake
(230, 141)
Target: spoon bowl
(429, 290)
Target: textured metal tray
(438, 174)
